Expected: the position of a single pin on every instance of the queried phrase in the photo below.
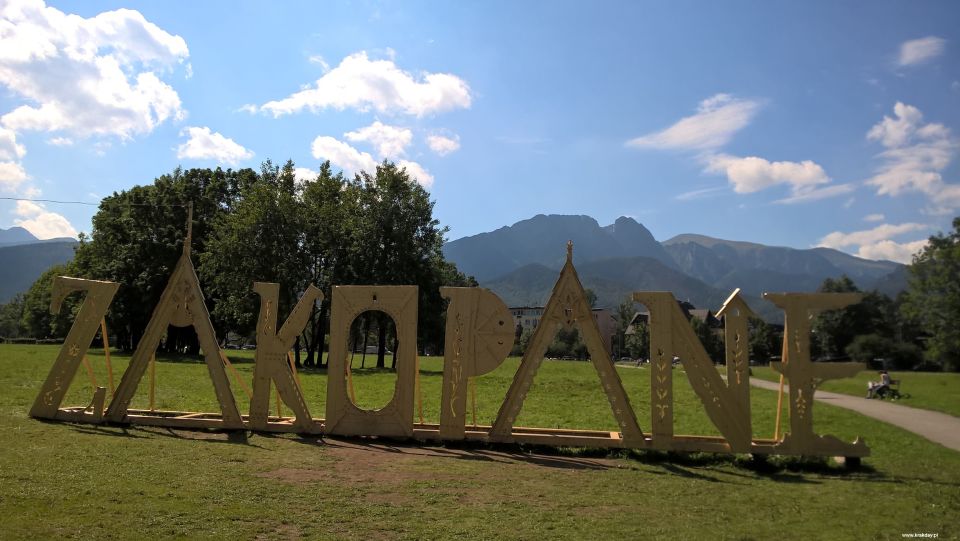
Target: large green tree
(933, 297)
(399, 242)
(10, 315)
(36, 319)
(137, 238)
(259, 240)
(834, 330)
(765, 341)
(376, 228)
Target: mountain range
(520, 263)
(25, 258)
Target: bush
(897, 355)
(20, 340)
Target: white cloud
(317, 59)
(9, 148)
(895, 132)
(417, 172)
(806, 195)
(60, 141)
(206, 145)
(303, 174)
(88, 76)
(12, 175)
(443, 145)
(914, 158)
(352, 160)
(877, 243)
(752, 174)
(918, 51)
(873, 218)
(390, 141)
(363, 84)
(806, 179)
(699, 194)
(717, 119)
(893, 251)
(342, 155)
(42, 223)
(869, 236)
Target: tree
(260, 240)
(834, 330)
(36, 319)
(400, 243)
(637, 344)
(710, 340)
(10, 315)
(625, 312)
(765, 342)
(567, 343)
(330, 208)
(933, 297)
(520, 344)
(591, 297)
(896, 355)
(137, 238)
(247, 226)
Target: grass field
(927, 390)
(61, 480)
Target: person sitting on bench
(878, 388)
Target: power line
(88, 203)
(49, 201)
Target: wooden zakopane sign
(479, 336)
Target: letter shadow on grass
(702, 466)
(211, 435)
(500, 453)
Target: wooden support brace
(106, 355)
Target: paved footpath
(933, 425)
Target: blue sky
(794, 124)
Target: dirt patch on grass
(360, 463)
(392, 468)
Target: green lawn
(61, 480)
(928, 390)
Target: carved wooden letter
(271, 356)
(478, 339)
(804, 376)
(396, 418)
(568, 307)
(736, 315)
(671, 333)
(661, 366)
(181, 305)
(84, 328)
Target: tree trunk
(381, 340)
(320, 334)
(366, 336)
(354, 338)
(311, 340)
(296, 351)
(396, 347)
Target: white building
(528, 317)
